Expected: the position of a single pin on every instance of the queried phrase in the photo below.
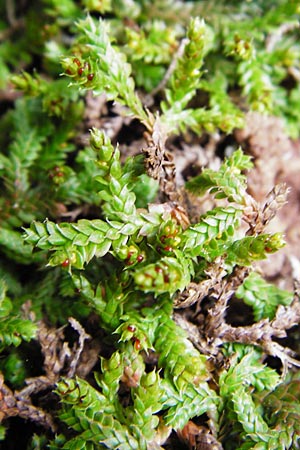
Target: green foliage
(88, 236)
(38, 442)
(263, 297)
(185, 78)
(13, 369)
(153, 46)
(282, 413)
(79, 243)
(2, 432)
(213, 233)
(13, 328)
(102, 68)
(257, 48)
(135, 239)
(185, 81)
(228, 182)
(107, 429)
(249, 425)
(251, 248)
(136, 426)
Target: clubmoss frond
(282, 414)
(263, 297)
(13, 328)
(152, 45)
(185, 79)
(253, 248)
(126, 240)
(213, 233)
(228, 182)
(102, 68)
(91, 414)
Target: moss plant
(116, 281)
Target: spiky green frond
(79, 243)
(113, 426)
(182, 363)
(246, 369)
(186, 77)
(103, 68)
(213, 233)
(91, 415)
(124, 255)
(281, 410)
(253, 248)
(249, 427)
(192, 402)
(74, 244)
(228, 182)
(13, 328)
(262, 296)
(169, 274)
(119, 199)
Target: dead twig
(258, 217)
(14, 404)
(260, 333)
(149, 99)
(160, 164)
(78, 349)
(196, 292)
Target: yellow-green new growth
(103, 69)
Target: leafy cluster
(13, 329)
(110, 243)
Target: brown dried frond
(58, 357)
(14, 404)
(275, 201)
(77, 348)
(54, 350)
(260, 333)
(198, 437)
(160, 164)
(258, 217)
(196, 292)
